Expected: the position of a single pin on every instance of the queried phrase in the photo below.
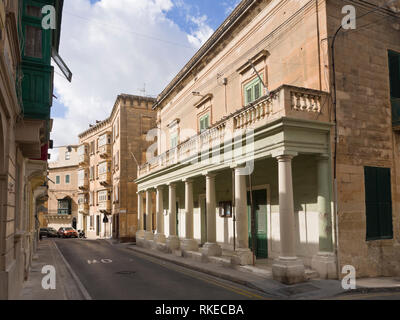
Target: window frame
(67, 181)
(58, 179)
(251, 84)
(373, 182)
(204, 116)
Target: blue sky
(115, 47)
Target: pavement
(108, 270)
(68, 287)
(260, 279)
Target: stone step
(311, 274)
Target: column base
(173, 243)
(160, 238)
(242, 257)
(325, 264)
(288, 270)
(211, 249)
(189, 245)
(148, 235)
(140, 234)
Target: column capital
(322, 156)
(160, 187)
(283, 155)
(188, 180)
(209, 174)
(172, 185)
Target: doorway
(177, 216)
(260, 204)
(203, 218)
(97, 225)
(74, 223)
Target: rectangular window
(174, 140)
(34, 11)
(103, 140)
(33, 42)
(58, 180)
(64, 206)
(92, 146)
(103, 196)
(67, 155)
(378, 203)
(91, 173)
(82, 150)
(204, 122)
(253, 90)
(67, 179)
(103, 168)
(394, 70)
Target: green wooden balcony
(37, 91)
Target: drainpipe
(335, 151)
(234, 209)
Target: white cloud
(115, 47)
(202, 33)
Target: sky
(124, 46)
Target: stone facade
(63, 185)
(22, 179)
(287, 134)
(124, 143)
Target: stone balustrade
(286, 101)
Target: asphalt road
(109, 272)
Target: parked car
(48, 232)
(67, 233)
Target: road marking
(206, 279)
(106, 260)
(366, 295)
(84, 292)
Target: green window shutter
(207, 121)
(67, 178)
(257, 91)
(394, 72)
(249, 95)
(57, 179)
(378, 203)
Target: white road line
(82, 288)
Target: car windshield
(69, 229)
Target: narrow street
(114, 273)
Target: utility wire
(131, 31)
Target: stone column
(149, 235)
(160, 237)
(189, 244)
(287, 268)
(243, 255)
(140, 228)
(325, 261)
(173, 242)
(211, 248)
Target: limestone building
(63, 191)
(109, 155)
(26, 89)
(247, 156)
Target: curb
(81, 287)
(206, 271)
(364, 290)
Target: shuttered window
(253, 90)
(204, 122)
(394, 73)
(378, 203)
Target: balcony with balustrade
(104, 147)
(83, 155)
(285, 102)
(83, 179)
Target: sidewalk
(68, 287)
(259, 279)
